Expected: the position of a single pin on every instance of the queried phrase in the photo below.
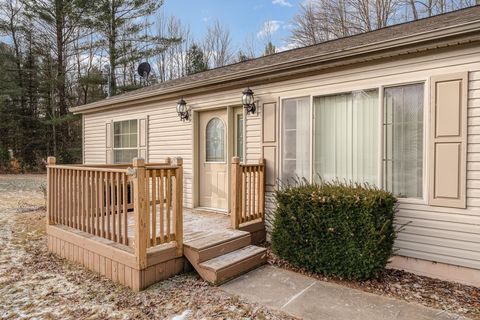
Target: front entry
(213, 170)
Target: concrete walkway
(309, 298)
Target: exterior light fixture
(182, 110)
(248, 101)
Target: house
(398, 108)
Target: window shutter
(109, 142)
(143, 138)
(448, 140)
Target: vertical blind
(346, 137)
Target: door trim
(230, 149)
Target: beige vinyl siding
(94, 142)
(253, 134)
(170, 137)
(167, 137)
(441, 234)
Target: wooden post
(261, 189)
(236, 193)
(168, 161)
(51, 161)
(179, 207)
(140, 213)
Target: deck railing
(247, 193)
(93, 200)
(163, 196)
(102, 200)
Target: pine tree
(241, 57)
(124, 34)
(269, 49)
(196, 60)
(52, 26)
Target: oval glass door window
(215, 141)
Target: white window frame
(380, 88)
(113, 138)
(426, 128)
(237, 112)
(280, 149)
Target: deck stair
(224, 255)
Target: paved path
(309, 298)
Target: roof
(333, 49)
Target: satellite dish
(144, 69)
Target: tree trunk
(112, 52)
(60, 83)
(414, 9)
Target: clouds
(283, 3)
(269, 27)
(287, 46)
(206, 15)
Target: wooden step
(214, 245)
(228, 266)
(216, 238)
(219, 249)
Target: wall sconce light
(183, 110)
(248, 101)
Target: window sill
(412, 201)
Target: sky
(244, 18)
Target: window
(346, 137)
(125, 141)
(239, 136)
(403, 136)
(350, 142)
(296, 139)
(215, 141)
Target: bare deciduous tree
(323, 20)
(249, 47)
(172, 63)
(416, 9)
(217, 45)
(308, 26)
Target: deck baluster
(247, 192)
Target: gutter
(409, 40)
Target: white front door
(213, 191)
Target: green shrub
(336, 229)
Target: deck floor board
(196, 225)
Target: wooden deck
(196, 224)
(128, 223)
(212, 247)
